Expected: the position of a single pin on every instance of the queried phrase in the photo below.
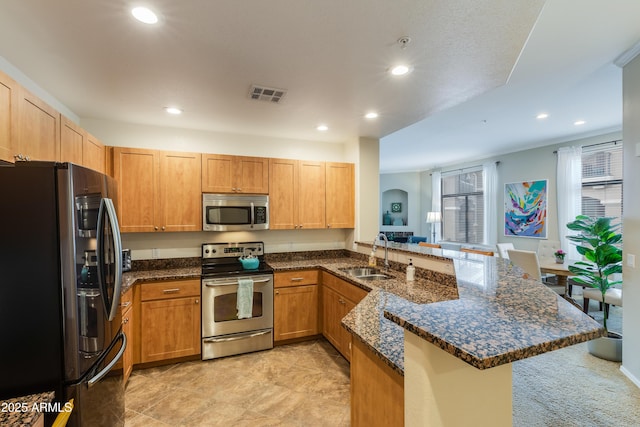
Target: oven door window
(224, 307)
(228, 215)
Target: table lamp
(433, 218)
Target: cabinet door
(38, 128)
(252, 175)
(93, 154)
(311, 195)
(136, 171)
(170, 328)
(8, 115)
(72, 139)
(180, 194)
(331, 309)
(340, 195)
(283, 183)
(128, 328)
(217, 174)
(295, 312)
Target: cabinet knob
(126, 320)
(197, 301)
(328, 225)
(277, 292)
(155, 228)
(163, 228)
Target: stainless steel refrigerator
(60, 279)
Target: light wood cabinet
(340, 197)
(234, 174)
(94, 154)
(8, 117)
(170, 320)
(37, 128)
(72, 139)
(158, 190)
(377, 391)
(296, 194)
(295, 304)
(128, 328)
(338, 299)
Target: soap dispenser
(411, 271)
(372, 259)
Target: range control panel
(232, 250)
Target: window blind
(463, 207)
(602, 180)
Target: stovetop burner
(221, 259)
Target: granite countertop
(24, 411)
(486, 315)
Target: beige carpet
(569, 387)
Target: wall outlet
(154, 253)
(631, 260)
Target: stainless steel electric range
(223, 332)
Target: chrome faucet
(386, 248)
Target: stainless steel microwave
(231, 212)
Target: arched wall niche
(394, 208)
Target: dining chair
(503, 248)
(429, 245)
(547, 249)
(477, 251)
(528, 261)
(613, 296)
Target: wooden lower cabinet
(295, 305)
(338, 299)
(128, 329)
(170, 320)
(377, 391)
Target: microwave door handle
(111, 364)
(107, 208)
(253, 215)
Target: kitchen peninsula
(474, 322)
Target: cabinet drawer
(126, 299)
(295, 278)
(170, 289)
(346, 289)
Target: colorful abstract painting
(525, 209)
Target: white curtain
(490, 189)
(569, 194)
(436, 178)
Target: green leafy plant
(598, 242)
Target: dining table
(560, 270)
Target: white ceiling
(332, 56)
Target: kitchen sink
(365, 273)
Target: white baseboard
(628, 374)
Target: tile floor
(304, 384)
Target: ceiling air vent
(270, 94)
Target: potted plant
(598, 242)
(559, 254)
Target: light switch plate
(631, 260)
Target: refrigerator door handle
(111, 364)
(106, 207)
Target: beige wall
(631, 221)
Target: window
(463, 207)
(602, 180)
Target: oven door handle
(241, 337)
(212, 285)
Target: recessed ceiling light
(323, 128)
(371, 115)
(145, 15)
(400, 70)
(542, 116)
(579, 122)
(173, 110)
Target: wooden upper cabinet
(38, 128)
(340, 198)
(136, 171)
(180, 192)
(235, 174)
(311, 194)
(93, 154)
(296, 194)
(158, 190)
(8, 116)
(72, 139)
